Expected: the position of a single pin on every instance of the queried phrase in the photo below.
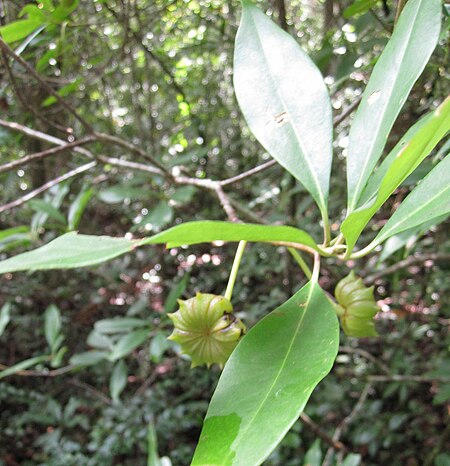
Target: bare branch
(46, 186)
(43, 154)
(406, 263)
(225, 203)
(248, 173)
(133, 148)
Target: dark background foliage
(158, 75)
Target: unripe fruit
(206, 329)
(357, 307)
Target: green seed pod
(357, 307)
(206, 329)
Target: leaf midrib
(276, 378)
(391, 229)
(370, 151)
(286, 108)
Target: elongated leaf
(88, 358)
(407, 238)
(69, 251)
(72, 250)
(358, 7)
(128, 343)
(208, 231)
(18, 30)
(5, 317)
(403, 160)
(118, 380)
(52, 327)
(78, 206)
(268, 379)
(402, 61)
(23, 365)
(284, 100)
(119, 324)
(47, 208)
(429, 200)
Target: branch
(133, 148)
(336, 444)
(4, 46)
(41, 155)
(248, 173)
(46, 186)
(346, 422)
(226, 204)
(406, 263)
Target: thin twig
(346, 112)
(406, 263)
(406, 378)
(338, 445)
(48, 185)
(47, 373)
(132, 148)
(4, 46)
(248, 173)
(225, 203)
(367, 355)
(346, 422)
(43, 154)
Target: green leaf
(23, 365)
(429, 200)
(268, 379)
(407, 238)
(176, 291)
(284, 100)
(73, 250)
(5, 317)
(78, 206)
(63, 92)
(47, 208)
(52, 327)
(119, 324)
(400, 163)
(88, 358)
(402, 61)
(313, 456)
(118, 380)
(18, 30)
(128, 343)
(358, 7)
(158, 217)
(69, 251)
(208, 231)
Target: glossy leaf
(429, 200)
(72, 250)
(208, 231)
(400, 163)
(18, 30)
(402, 61)
(284, 100)
(119, 324)
(69, 251)
(268, 380)
(407, 238)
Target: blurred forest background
(146, 86)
